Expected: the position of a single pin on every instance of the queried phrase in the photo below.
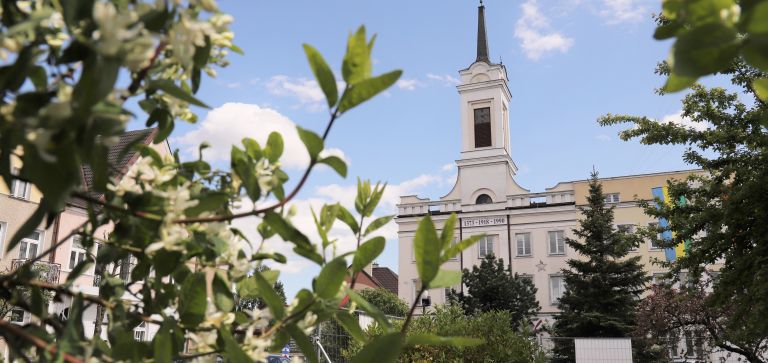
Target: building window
(483, 127)
(454, 241)
(523, 244)
(612, 198)
(3, 227)
(629, 229)
(485, 246)
(77, 252)
(654, 245)
(19, 188)
(17, 316)
(556, 243)
(29, 245)
(126, 266)
(556, 288)
(483, 199)
(140, 332)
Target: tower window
(483, 199)
(483, 127)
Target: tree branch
(38, 342)
(413, 308)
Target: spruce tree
(603, 286)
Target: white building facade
(525, 229)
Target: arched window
(483, 199)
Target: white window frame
(552, 299)
(17, 183)
(26, 241)
(455, 241)
(651, 246)
(3, 228)
(526, 244)
(80, 251)
(140, 332)
(482, 246)
(23, 316)
(612, 198)
(557, 252)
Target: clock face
(483, 115)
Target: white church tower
(486, 168)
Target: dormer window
(483, 127)
(483, 199)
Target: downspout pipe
(509, 245)
(461, 254)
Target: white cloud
(228, 124)
(620, 11)
(603, 137)
(445, 79)
(537, 38)
(679, 119)
(408, 84)
(447, 167)
(306, 91)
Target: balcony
(46, 271)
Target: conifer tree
(603, 286)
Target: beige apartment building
(527, 229)
(19, 200)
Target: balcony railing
(46, 271)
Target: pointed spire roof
(482, 38)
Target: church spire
(482, 38)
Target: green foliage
(485, 337)
(603, 284)
(387, 302)
(491, 287)
(710, 36)
(723, 219)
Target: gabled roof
(120, 157)
(386, 278)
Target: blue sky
(569, 61)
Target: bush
(386, 301)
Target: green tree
(74, 67)
(250, 302)
(492, 287)
(387, 302)
(603, 285)
(726, 206)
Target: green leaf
(755, 51)
(172, 89)
(232, 349)
(454, 250)
(677, 83)
(96, 81)
(370, 309)
(192, 299)
(356, 65)
(430, 339)
(704, 50)
(163, 345)
(377, 223)
(761, 89)
(222, 293)
(666, 31)
(302, 340)
(39, 77)
(336, 163)
(366, 89)
(348, 219)
(270, 297)
(446, 278)
(446, 235)
(758, 22)
(323, 74)
(210, 201)
(368, 252)
(312, 141)
(383, 349)
(427, 250)
(351, 325)
(202, 53)
(274, 148)
(330, 278)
